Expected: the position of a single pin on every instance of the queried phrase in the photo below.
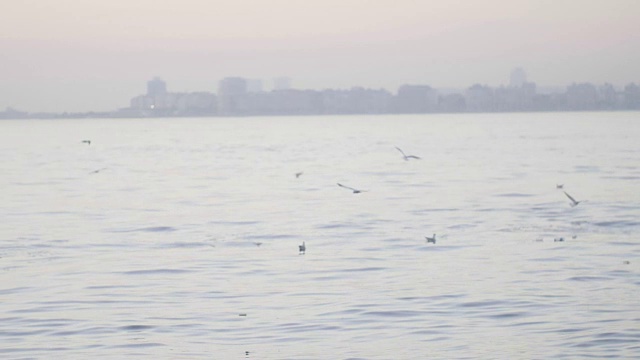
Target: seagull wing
(402, 152)
(346, 187)
(413, 157)
(570, 198)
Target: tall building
(416, 99)
(156, 86)
(282, 83)
(254, 85)
(518, 77)
(232, 93)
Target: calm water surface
(155, 255)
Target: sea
(178, 238)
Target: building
(254, 85)
(517, 78)
(282, 83)
(415, 99)
(232, 92)
(156, 86)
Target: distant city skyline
(238, 96)
(74, 55)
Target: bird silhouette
(407, 157)
(302, 248)
(355, 191)
(573, 202)
(431, 239)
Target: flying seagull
(431, 239)
(88, 142)
(573, 202)
(97, 171)
(302, 248)
(298, 174)
(355, 191)
(407, 157)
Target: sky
(81, 55)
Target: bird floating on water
(431, 239)
(559, 186)
(559, 239)
(88, 142)
(302, 248)
(407, 157)
(573, 202)
(355, 191)
(298, 174)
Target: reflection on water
(157, 254)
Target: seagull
(88, 142)
(431, 239)
(407, 157)
(302, 248)
(97, 171)
(257, 244)
(355, 191)
(573, 202)
(298, 174)
(559, 186)
(560, 239)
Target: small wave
(364, 269)
(186, 245)
(622, 177)
(146, 229)
(620, 223)
(508, 315)
(271, 236)
(512, 195)
(236, 223)
(585, 169)
(136, 327)
(14, 290)
(141, 345)
(392, 314)
(588, 278)
(335, 226)
(155, 272)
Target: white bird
(573, 202)
(302, 248)
(431, 239)
(298, 174)
(407, 157)
(355, 191)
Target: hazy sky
(80, 55)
